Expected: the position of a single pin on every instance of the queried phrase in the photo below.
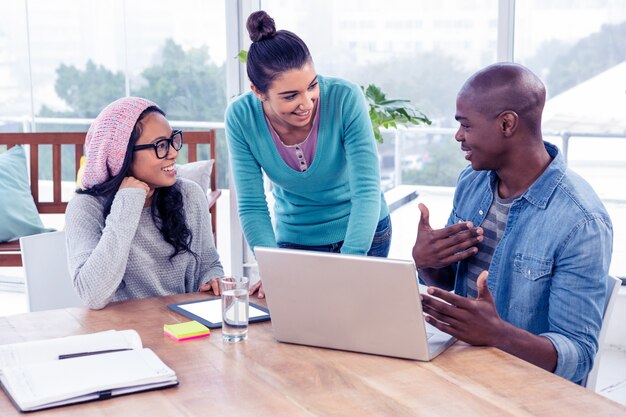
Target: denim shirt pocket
(476, 218)
(456, 217)
(530, 286)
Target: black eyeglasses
(162, 147)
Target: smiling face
(291, 99)
(480, 136)
(146, 166)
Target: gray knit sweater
(126, 256)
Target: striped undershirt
(493, 227)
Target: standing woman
(313, 138)
(135, 230)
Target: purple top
(299, 156)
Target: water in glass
(235, 315)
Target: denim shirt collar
(542, 189)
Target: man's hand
(476, 322)
(442, 247)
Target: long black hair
(272, 52)
(167, 202)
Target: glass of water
(234, 292)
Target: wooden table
(262, 377)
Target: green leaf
(390, 113)
(374, 94)
(242, 56)
(378, 135)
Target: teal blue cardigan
(337, 199)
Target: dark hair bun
(260, 26)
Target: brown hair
(272, 52)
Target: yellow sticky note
(188, 330)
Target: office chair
(48, 281)
(613, 286)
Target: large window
(78, 56)
(422, 51)
(578, 48)
(62, 61)
(14, 80)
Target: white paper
(16, 354)
(50, 382)
(36, 378)
(211, 310)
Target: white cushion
(198, 172)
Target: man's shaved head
(507, 86)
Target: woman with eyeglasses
(313, 138)
(134, 229)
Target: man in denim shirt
(544, 236)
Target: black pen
(97, 352)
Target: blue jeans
(380, 243)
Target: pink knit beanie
(108, 137)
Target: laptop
(356, 303)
